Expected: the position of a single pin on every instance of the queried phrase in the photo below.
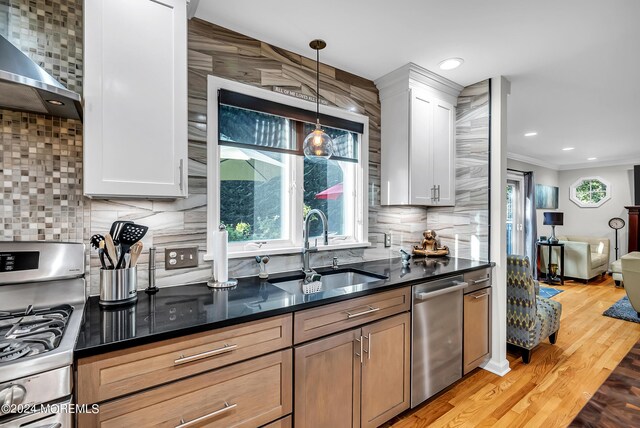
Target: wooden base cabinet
(356, 378)
(477, 329)
(247, 394)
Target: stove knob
(12, 395)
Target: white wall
(594, 221)
(542, 175)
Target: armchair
(584, 256)
(631, 275)
(530, 318)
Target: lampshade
(553, 218)
(318, 144)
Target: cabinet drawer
(317, 322)
(118, 373)
(477, 280)
(246, 394)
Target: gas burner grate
(12, 350)
(32, 331)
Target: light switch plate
(387, 239)
(180, 258)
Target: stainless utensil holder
(118, 286)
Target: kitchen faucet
(309, 273)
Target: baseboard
(500, 368)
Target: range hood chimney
(25, 86)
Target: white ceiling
(574, 65)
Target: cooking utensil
(135, 251)
(130, 234)
(97, 242)
(101, 255)
(116, 229)
(110, 250)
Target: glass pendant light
(318, 144)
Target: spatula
(130, 234)
(135, 251)
(116, 229)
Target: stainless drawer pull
(196, 421)
(223, 350)
(480, 281)
(430, 295)
(358, 314)
(479, 296)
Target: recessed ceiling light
(55, 102)
(530, 134)
(592, 158)
(451, 63)
(566, 149)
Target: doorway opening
(515, 213)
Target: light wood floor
(551, 390)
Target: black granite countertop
(185, 309)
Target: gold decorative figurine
(429, 246)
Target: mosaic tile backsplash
(41, 156)
(50, 33)
(41, 173)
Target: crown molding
(533, 161)
(582, 165)
(603, 164)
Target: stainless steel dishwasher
(436, 353)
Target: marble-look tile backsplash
(214, 50)
(465, 227)
(41, 157)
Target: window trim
(574, 197)
(294, 244)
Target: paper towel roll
(220, 260)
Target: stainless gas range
(42, 295)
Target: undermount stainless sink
(348, 278)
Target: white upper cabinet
(418, 137)
(135, 94)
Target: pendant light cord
(317, 87)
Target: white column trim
(500, 89)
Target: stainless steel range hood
(25, 86)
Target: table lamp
(553, 219)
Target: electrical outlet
(180, 258)
(387, 239)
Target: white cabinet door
(421, 148)
(135, 93)
(443, 153)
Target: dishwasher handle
(440, 292)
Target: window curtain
(530, 222)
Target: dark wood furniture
(634, 231)
(550, 245)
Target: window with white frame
(590, 192)
(262, 186)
